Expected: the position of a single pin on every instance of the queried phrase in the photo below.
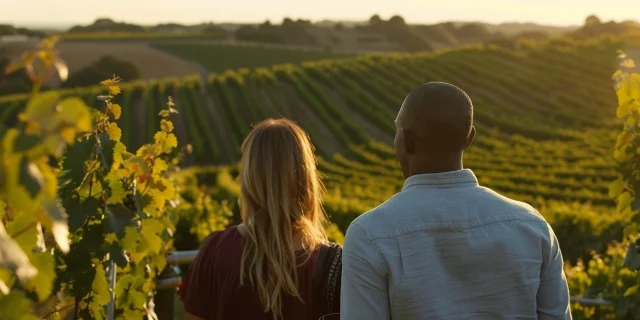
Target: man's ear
(409, 141)
(472, 135)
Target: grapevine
(66, 178)
(625, 188)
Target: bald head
(439, 114)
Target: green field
(219, 57)
(545, 115)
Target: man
(445, 247)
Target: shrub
(104, 68)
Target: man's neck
(436, 164)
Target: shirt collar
(450, 179)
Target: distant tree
(303, 23)
(338, 26)
(108, 25)
(472, 30)
(287, 22)
(215, 31)
(592, 20)
(263, 34)
(397, 20)
(7, 30)
(103, 21)
(375, 20)
(265, 25)
(102, 69)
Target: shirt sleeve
(553, 292)
(364, 293)
(199, 290)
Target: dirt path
(153, 63)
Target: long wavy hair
(281, 200)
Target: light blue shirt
(447, 248)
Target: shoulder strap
(328, 274)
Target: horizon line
(24, 23)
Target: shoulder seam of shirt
(371, 238)
(377, 249)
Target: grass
(218, 57)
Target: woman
(278, 263)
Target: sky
(554, 12)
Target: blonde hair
(281, 198)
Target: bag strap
(328, 274)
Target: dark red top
(212, 288)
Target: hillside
(536, 108)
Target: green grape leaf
(629, 231)
(160, 262)
(12, 257)
(624, 138)
(73, 163)
(40, 108)
(632, 258)
(117, 219)
(15, 306)
(118, 256)
(635, 205)
(623, 110)
(131, 314)
(105, 150)
(118, 193)
(622, 308)
(631, 291)
(58, 226)
(78, 273)
(634, 90)
(42, 283)
(6, 280)
(79, 212)
(137, 299)
(24, 226)
(100, 292)
(150, 230)
(624, 201)
(115, 133)
(73, 111)
(123, 284)
(31, 177)
(25, 142)
(130, 240)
